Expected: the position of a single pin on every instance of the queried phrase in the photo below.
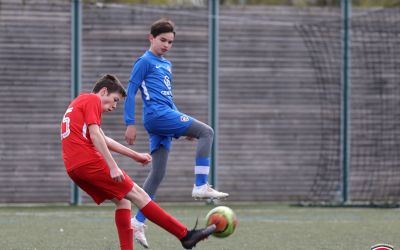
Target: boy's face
(162, 43)
(109, 101)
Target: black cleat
(195, 235)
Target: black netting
(375, 101)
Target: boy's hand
(144, 159)
(130, 134)
(116, 174)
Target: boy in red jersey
(89, 163)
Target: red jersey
(77, 147)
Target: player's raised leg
(157, 215)
(205, 136)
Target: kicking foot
(195, 235)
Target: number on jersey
(66, 121)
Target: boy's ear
(150, 37)
(103, 91)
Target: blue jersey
(152, 75)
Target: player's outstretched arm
(100, 144)
(117, 147)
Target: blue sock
(201, 179)
(202, 170)
(140, 216)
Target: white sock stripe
(201, 170)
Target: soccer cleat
(195, 235)
(207, 192)
(138, 229)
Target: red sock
(157, 215)
(124, 228)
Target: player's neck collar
(158, 57)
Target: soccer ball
(225, 220)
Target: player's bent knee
(141, 194)
(208, 131)
(138, 196)
(122, 204)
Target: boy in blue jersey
(152, 75)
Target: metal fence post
(76, 42)
(345, 130)
(213, 36)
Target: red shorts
(96, 181)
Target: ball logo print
(382, 247)
(167, 82)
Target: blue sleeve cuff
(127, 123)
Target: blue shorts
(163, 128)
